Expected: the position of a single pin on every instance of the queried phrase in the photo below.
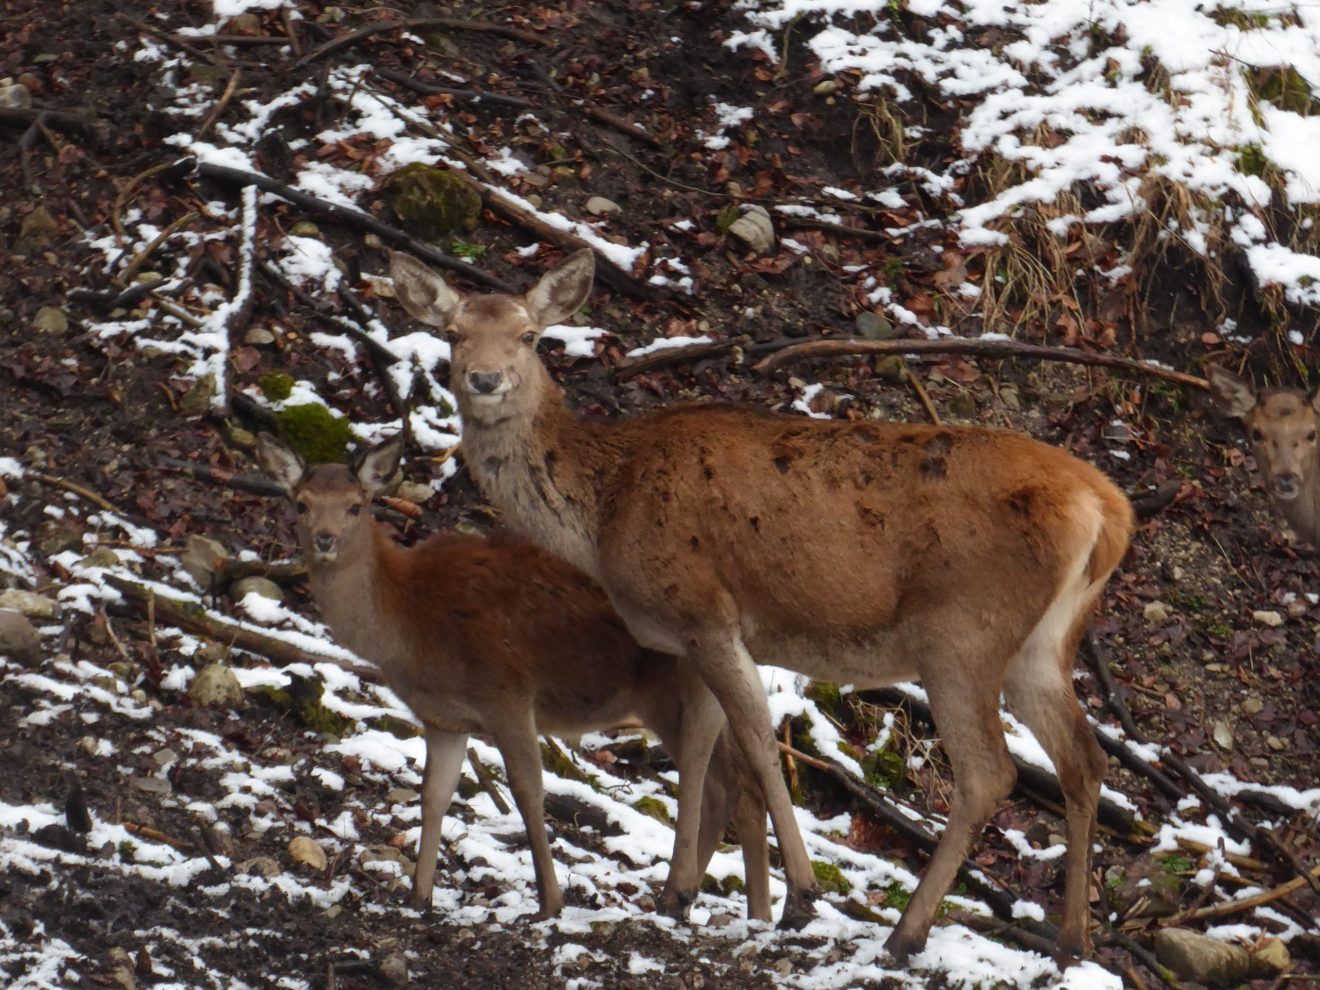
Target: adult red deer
(864, 553)
(1282, 424)
(497, 636)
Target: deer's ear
(562, 290)
(424, 294)
(1232, 395)
(284, 466)
(377, 468)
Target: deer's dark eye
(1310, 437)
(353, 510)
(1257, 435)
(451, 337)
(302, 507)
(529, 338)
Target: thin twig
(414, 24)
(849, 346)
(433, 89)
(1246, 904)
(923, 396)
(69, 486)
(126, 276)
(219, 108)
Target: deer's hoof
(799, 909)
(673, 904)
(901, 946)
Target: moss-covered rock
(314, 431)
(653, 807)
(830, 877)
(432, 203)
(302, 699)
(276, 385)
(884, 769)
(397, 727)
(561, 764)
(727, 887)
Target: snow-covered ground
(1109, 131)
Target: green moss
(727, 887)
(1175, 864)
(276, 385)
(830, 877)
(433, 203)
(1286, 88)
(827, 697)
(1240, 19)
(1252, 160)
(884, 770)
(724, 220)
(466, 249)
(653, 807)
(397, 727)
(561, 764)
(313, 431)
(302, 699)
(897, 896)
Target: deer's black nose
(1287, 485)
(325, 542)
(484, 381)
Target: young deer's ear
(562, 290)
(424, 294)
(285, 467)
(377, 468)
(1232, 395)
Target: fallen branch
(486, 780)
(353, 218)
(742, 346)
(75, 488)
(63, 120)
(433, 89)
(1245, 904)
(1234, 820)
(847, 346)
(256, 484)
(191, 616)
(414, 24)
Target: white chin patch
(486, 398)
(327, 558)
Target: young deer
(864, 553)
(1282, 424)
(497, 636)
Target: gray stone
(19, 639)
(151, 785)
(260, 866)
(754, 228)
(216, 686)
(164, 757)
(102, 557)
(1156, 612)
(307, 851)
(37, 231)
(197, 400)
(256, 585)
(401, 795)
(259, 337)
(394, 969)
(50, 319)
(202, 558)
(387, 854)
(1270, 958)
(54, 537)
(1269, 618)
(599, 206)
(14, 94)
(29, 603)
(873, 326)
(1198, 957)
(120, 965)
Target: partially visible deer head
(1282, 424)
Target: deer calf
(496, 636)
(1282, 424)
(865, 553)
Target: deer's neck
(346, 593)
(543, 472)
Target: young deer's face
(493, 336)
(331, 499)
(1283, 426)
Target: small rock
(783, 965)
(754, 228)
(50, 319)
(1010, 397)
(963, 406)
(55, 537)
(14, 94)
(416, 492)
(164, 757)
(90, 745)
(29, 603)
(1223, 735)
(892, 369)
(401, 795)
(1253, 705)
(197, 400)
(202, 558)
(305, 228)
(258, 337)
(1156, 612)
(385, 854)
(19, 639)
(1269, 618)
(308, 852)
(1270, 958)
(825, 87)
(873, 326)
(151, 785)
(260, 866)
(394, 969)
(599, 206)
(102, 557)
(38, 230)
(216, 686)
(121, 968)
(1275, 743)
(256, 585)
(720, 920)
(1198, 957)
